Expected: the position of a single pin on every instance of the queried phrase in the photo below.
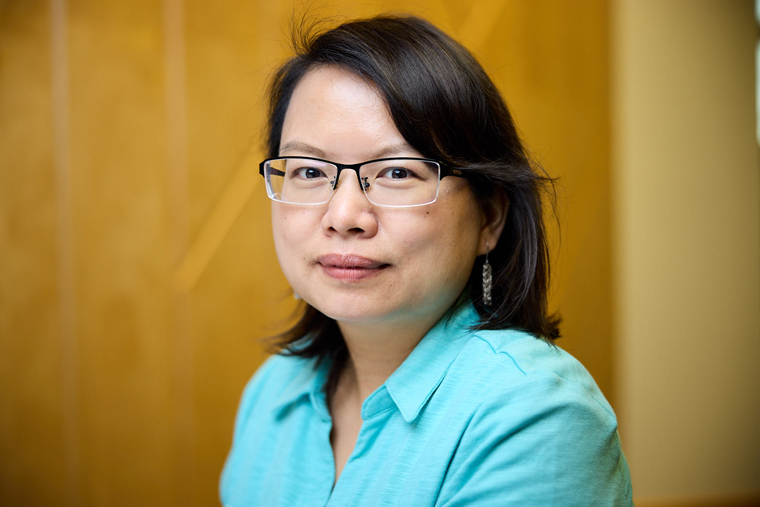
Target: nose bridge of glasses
(363, 182)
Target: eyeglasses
(390, 182)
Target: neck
(375, 352)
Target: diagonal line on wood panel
(480, 22)
(218, 224)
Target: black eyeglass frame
(443, 171)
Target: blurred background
(138, 276)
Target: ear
(495, 213)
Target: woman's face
(352, 260)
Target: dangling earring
(487, 280)
(296, 296)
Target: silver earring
(296, 296)
(487, 280)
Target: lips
(350, 267)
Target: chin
(354, 313)
(352, 308)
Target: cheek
(279, 231)
(458, 236)
(444, 243)
(288, 233)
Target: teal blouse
(471, 418)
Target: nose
(349, 212)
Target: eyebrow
(307, 149)
(394, 149)
(299, 147)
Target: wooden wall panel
(128, 398)
(122, 270)
(32, 415)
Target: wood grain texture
(32, 412)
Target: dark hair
(446, 107)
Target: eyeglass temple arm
(451, 171)
(272, 170)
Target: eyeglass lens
(395, 182)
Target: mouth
(350, 267)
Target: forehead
(340, 114)
(330, 85)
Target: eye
(308, 173)
(397, 173)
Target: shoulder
(275, 374)
(282, 368)
(541, 432)
(278, 378)
(521, 367)
(531, 391)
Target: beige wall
(687, 246)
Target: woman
(408, 218)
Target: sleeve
(547, 442)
